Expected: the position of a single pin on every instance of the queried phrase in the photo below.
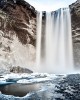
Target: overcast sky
(50, 5)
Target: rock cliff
(17, 34)
(75, 19)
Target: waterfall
(58, 57)
(39, 30)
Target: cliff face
(20, 17)
(17, 34)
(75, 18)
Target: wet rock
(18, 69)
(75, 19)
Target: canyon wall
(75, 20)
(17, 34)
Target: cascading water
(39, 30)
(58, 57)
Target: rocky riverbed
(39, 86)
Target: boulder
(19, 69)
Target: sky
(49, 5)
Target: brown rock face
(21, 19)
(17, 34)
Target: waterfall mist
(58, 50)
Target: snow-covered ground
(40, 86)
(27, 78)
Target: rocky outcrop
(75, 19)
(20, 18)
(17, 34)
(18, 69)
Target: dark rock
(75, 19)
(75, 16)
(70, 87)
(19, 69)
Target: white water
(39, 30)
(58, 42)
